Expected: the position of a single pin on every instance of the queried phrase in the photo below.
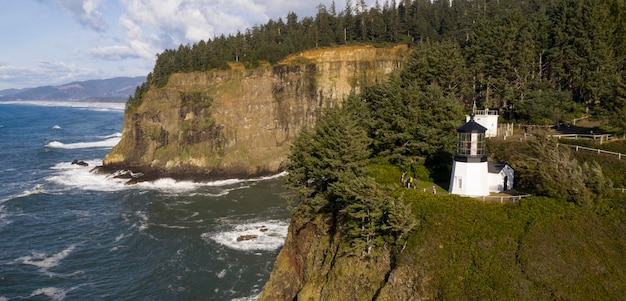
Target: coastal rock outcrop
(240, 122)
(312, 266)
(79, 162)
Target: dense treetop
(536, 60)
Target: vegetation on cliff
(566, 246)
(358, 234)
(543, 61)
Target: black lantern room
(471, 142)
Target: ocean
(69, 234)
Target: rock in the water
(263, 229)
(247, 237)
(80, 162)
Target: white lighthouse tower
(470, 168)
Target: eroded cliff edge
(239, 122)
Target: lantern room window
(472, 144)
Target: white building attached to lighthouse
(488, 119)
(472, 174)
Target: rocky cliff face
(239, 122)
(311, 267)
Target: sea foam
(45, 261)
(54, 293)
(107, 143)
(81, 177)
(272, 238)
(38, 188)
(249, 298)
(77, 176)
(3, 218)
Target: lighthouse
(470, 168)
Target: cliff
(462, 249)
(239, 122)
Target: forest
(539, 61)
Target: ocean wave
(122, 236)
(3, 219)
(169, 185)
(81, 177)
(143, 222)
(249, 298)
(264, 235)
(77, 176)
(37, 189)
(56, 127)
(45, 261)
(114, 135)
(54, 293)
(166, 226)
(108, 143)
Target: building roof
(471, 126)
(495, 167)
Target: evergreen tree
(438, 63)
(336, 148)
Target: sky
(54, 42)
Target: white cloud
(177, 21)
(114, 53)
(84, 11)
(151, 26)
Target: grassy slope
(532, 250)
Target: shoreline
(138, 175)
(121, 106)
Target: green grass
(536, 249)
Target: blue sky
(52, 42)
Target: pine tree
(335, 148)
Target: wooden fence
(595, 137)
(596, 150)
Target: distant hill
(114, 90)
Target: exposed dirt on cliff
(240, 122)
